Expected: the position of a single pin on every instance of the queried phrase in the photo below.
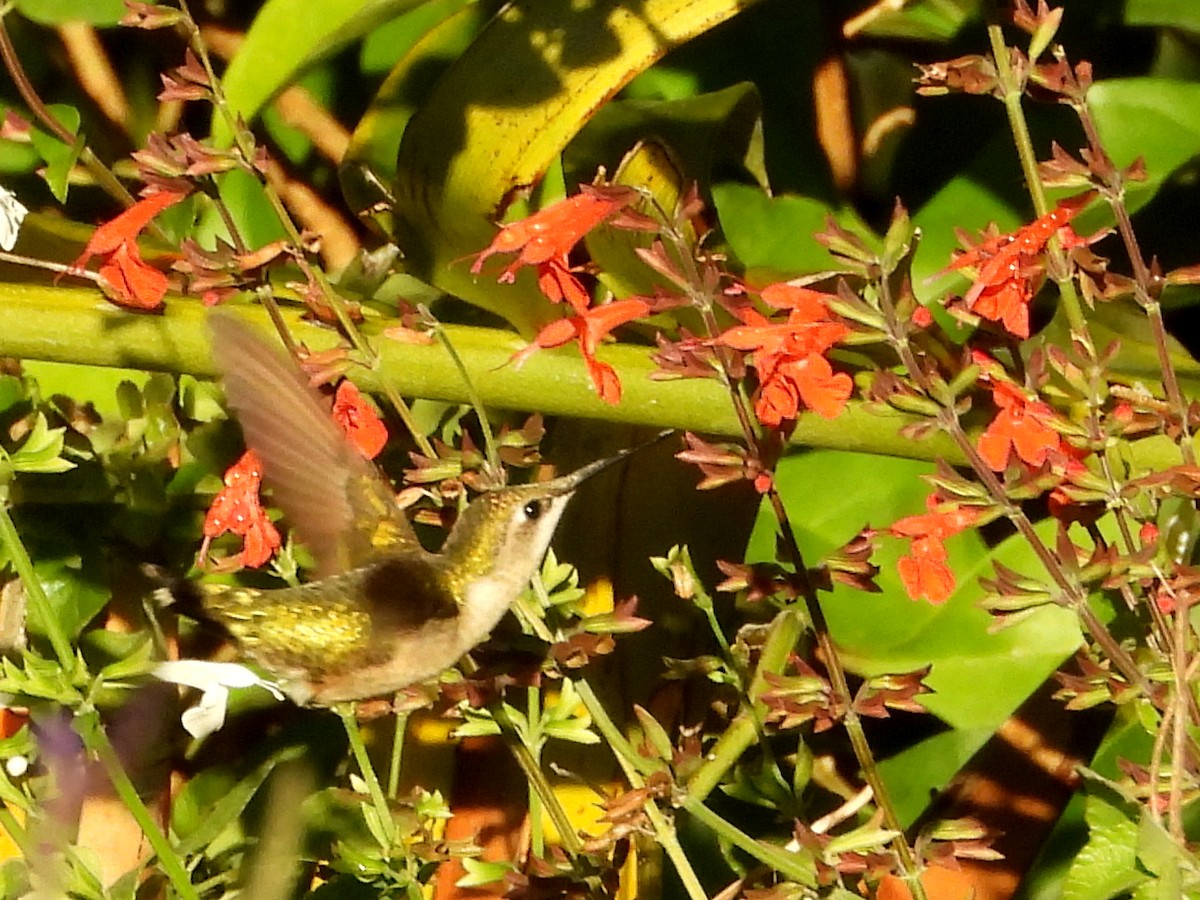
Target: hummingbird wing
(340, 505)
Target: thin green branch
(399, 730)
(664, 830)
(39, 603)
(742, 732)
(244, 142)
(798, 866)
(527, 760)
(359, 750)
(1013, 92)
(96, 740)
(489, 440)
(103, 175)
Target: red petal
(359, 420)
(109, 236)
(132, 281)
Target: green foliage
(709, 715)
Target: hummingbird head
(500, 539)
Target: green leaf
(432, 41)
(775, 234)
(1172, 13)
(1150, 118)
(664, 147)
(60, 158)
(926, 20)
(101, 13)
(480, 873)
(210, 803)
(1106, 866)
(655, 733)
(41, 451)
(502, 113)
(966, 202)
(830, 496)
(286, 37)
(75, 592)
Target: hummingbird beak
(569, 483)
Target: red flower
(359, 420)
(789, 356)
(545, 239)
(128, 279)
(238, 509)
(1020, 426)
(924, 571)
(588, 328)
(1008, 266)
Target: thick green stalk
(76, 325)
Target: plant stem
(664, 830)
(533, 715)
(1013, 93)
(399, 729)
(533, 773)
(799, 867)
(104, 177)
(34, 593)
(742, 732)
(244, 143)
(359, 751)
(489, 440)
(96, 740)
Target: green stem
(19, 835)
(65, 324)
(799, 867)
(664, 830)
(244, 142)
(742, 732)
(489, 440)
(533, 773)
(359, 751)
(533, 715)
(39, 603)
(399, 728)
(103, 175)
(1013, 93)
(96, 740)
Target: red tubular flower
(588, 328)
(1008, 265)
(359, 420)
(237, 509)
(545, 239)
(127, 278)
(925, 572)
(1020, 427)
(789, 355)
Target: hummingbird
(383, 612)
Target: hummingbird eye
(534, 509)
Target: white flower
(16, 766)
(214, 679)
(12, 214)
